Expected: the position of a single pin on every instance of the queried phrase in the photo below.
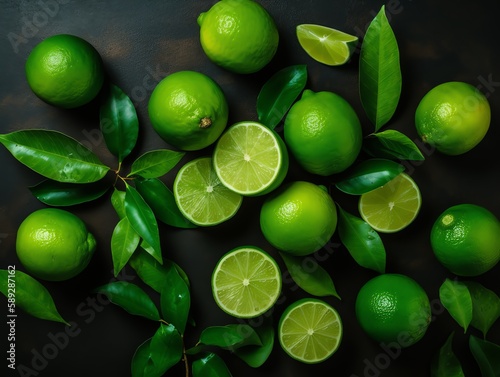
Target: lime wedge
(200, 195)
(250, 159)
(326, 45)
(310, 330)
(246, 282)
(392, 206)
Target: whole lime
(466, 239)
(323, 133)
(238, 35)
(188, 110)
(453, 117)
(65, 70)
(54, 244)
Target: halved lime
(392, 206)
(250, 159)
(326, 45)
(246, 282)
(310, 330)
(200, 195)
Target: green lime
(200, 195)
(65, 70)
(326, 45)
(466, 239)
(393, 206)
(188, 110)
(298, 218)
(54, 244)
(246, 282)
(453, 117)
(238, 35)
(310, 330)
(323, 133)
(250, 159)
(393, 308)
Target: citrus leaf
(255, 356)
(210, 365)
(54, 155)
(131, 298)
(154, 164)
(142, 363)
(175, 300)
(456, 299)
(27, 293)
(362, 241)
(118, 202)
(379, 71)
(485, 306)
(487, 356)
(165, 348)
(119, 123)
(309, 275)
(230, 337)
(392, 144)
(278, 94)
(124, 242)
(445, 363)
(369, 175)
(162, 201)
(54, 193)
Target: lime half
(250, 159)
(246, 282)
(200, 195)
(326, 45)
(393, 206)
(310, 330)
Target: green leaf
(54, 193)
(175, 300)
(166, 348)
(456, 299)
(54, 155)
(392, 144)
(143, 220)
(141, 360)
(230, 337)
(485, 306)
(210, 365)
(487, 356)
(445, 363)
(362, 241)
(131, 298)
(369, 175)
(162, 201)
(278, 94)
(156, 163)
(124, 242)
(119, 123)
(380, 78)
(255, 356)
(25, 292)
(309, 275)
(118, 202)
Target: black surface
(140, 43)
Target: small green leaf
(456, 299)
(25, 292)
(119, 123)
(142, 362)
(118, 202)
(487, 356)
(210, 365)
(131, 298)
(255, 356)
(154, 164)
(392, 144)
(278, 94)
(485, 306)
(445, 363)
(175, 300)
(369, 175)
(309, 275)
(380, 79)
(230, 337)
(165, 348)
(54, 155)
(362, 241)
(124, 242)
(54, 193)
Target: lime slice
(392, 206)
(310, 330)
(246, 282)
(326, 45)
(250, 159)
(200, 195)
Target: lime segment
(246, 282)
(201, 197)
(326, 45)
(393, 206)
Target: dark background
(140, 43)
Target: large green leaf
(380, 77)
(154, 164)
(175, 300)
(166, 347)
(456, 299)
(392, 144)
(118, 202)
(445, 363)
(257, 355)
(210, 365)
(124, 242)
(485, 306)
(230, 337)
(487, 355)
(54, 155)
(54, 193)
